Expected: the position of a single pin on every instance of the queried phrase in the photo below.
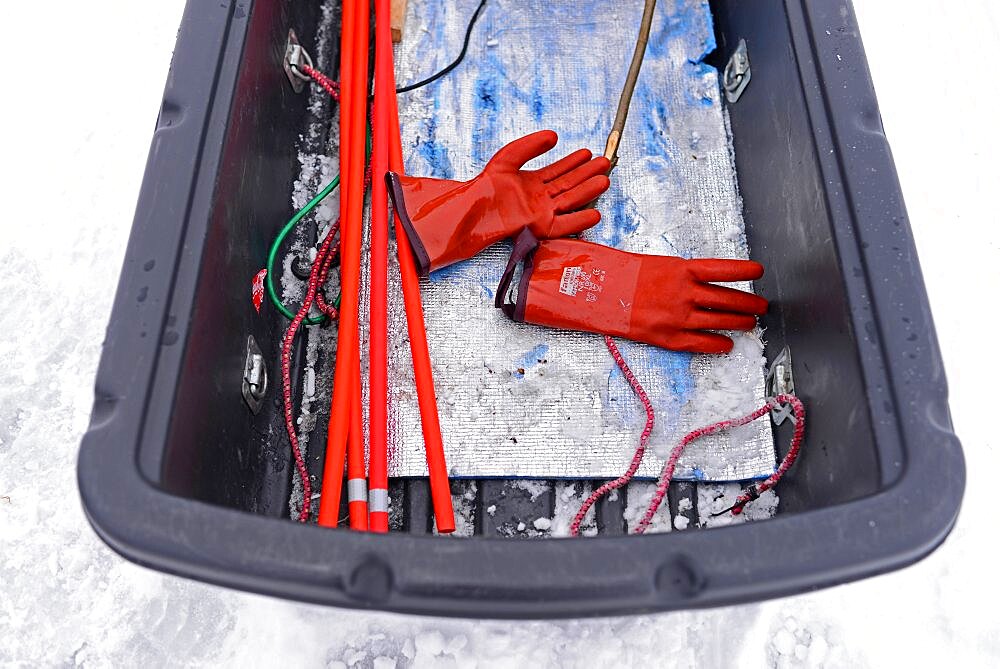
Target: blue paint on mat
(435, 154)
(679, 365)
(654, 125)
(530, 359)
(703, 100)
(707, 29)
(449, 273)
(676, 366)
(534, 356)
(537, 101)
(495, 90)
(487, 105)
(620, 222)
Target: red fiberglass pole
(357, 493)
(353, 76)
(437, 469)
(378, 393)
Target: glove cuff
(524, 250)
(420, 255)
(571, 284)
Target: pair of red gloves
(570, 283)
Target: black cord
(458, 61)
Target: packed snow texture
(67, 600)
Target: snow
(68, 600)
(640, 494)
(817, 652)
(534, 488)
(717, 497)
(784, 642)
(569, 496)
(463, 497)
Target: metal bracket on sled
(254, 376)
(295, 58)
(779, 381)
(736, 76)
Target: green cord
(272, 254)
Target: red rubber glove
(447, 221)
(660, 300)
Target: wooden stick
(397, 19)
(618, 127)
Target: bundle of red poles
(368, 503)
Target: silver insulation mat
(517, 400)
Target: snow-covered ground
(82, 84)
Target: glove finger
(727, 299)
(574, 222)
(703, 319)
(575, 177)
(517, 153)
(582, 194)
(564, 165)
(717, 269)
(700, 342)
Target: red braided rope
(329, 85)
(317, 277)
(326, 308)
(754, 491)
(312, 290)
(574, 528)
